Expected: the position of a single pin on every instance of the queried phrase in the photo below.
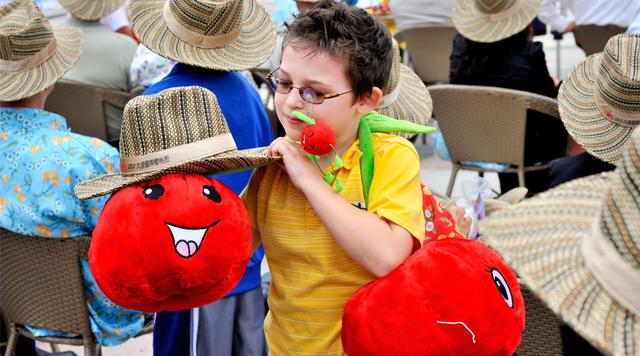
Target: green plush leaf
(382, 123)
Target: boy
(320, 245)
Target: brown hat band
(31, 61)
(194, 38)
(174, 156)
(617, 276)
(613, 115)
(502, 14)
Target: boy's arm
(376, 244)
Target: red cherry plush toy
(176, 242)
(318, 139)
(451, 297)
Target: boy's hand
(298, 166)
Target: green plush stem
(302, 117)
(382, 123)
(366, 160)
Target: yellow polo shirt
(311, 276)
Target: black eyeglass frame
(273, 83)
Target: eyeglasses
(307, 94)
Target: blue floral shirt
(40, 163)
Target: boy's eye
(284, 85)
(311, 95)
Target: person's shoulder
(93, 151)
(386, 144)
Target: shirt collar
(30, 118)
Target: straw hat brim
(583, 119)
(541, 240)
(471, 25)
(29, 82)
(91, 10)
(224, 162)
(414, 101)
(253, 46)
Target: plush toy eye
(502, 286)
(210, 192)
(153, 192)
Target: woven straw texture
(473, 19)
(171, 118)
(23, 33)
(209, 18)
(542, 238)
(413, 102)
(614, 74)
(91, 9)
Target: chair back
(593, 38)
(481, 123)
(84, 106)
(430, 48)
(41, 282)
(541, 334)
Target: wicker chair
(592, 38)
(429, 48)
(41, 286)
(89, 118)
(487, 124)
(542, 330)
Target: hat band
(195, 38)
(617, 276)
(391, 97)
(615, 116)
(31, 61)
(174, 156)
(500, 15)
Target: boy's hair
(346, 33)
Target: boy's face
(325, 74)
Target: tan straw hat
(599, 101)
(90, 10)
(578, 247)
(405, 95)
(177, 130)
(493, 20)
(228, 35)
(33, 56)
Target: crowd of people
(576, 244)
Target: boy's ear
(370, 102)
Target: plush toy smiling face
(176, 242)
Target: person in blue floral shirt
(41, 159)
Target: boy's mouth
(295, 122)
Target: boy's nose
(294, 100)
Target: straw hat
(493, 20)
(228, 35)
(33, 56)
(177, 130)
(578, 247)
(90, 10)
(599, 101)
(405, 95)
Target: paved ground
(435, 174)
